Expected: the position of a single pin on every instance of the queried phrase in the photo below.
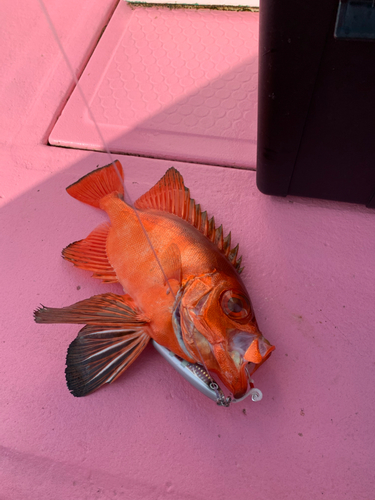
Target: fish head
(219, 330)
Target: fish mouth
(249, 348)
(249, 360)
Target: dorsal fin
(171, 195)
(168, 195)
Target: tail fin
(94, 186)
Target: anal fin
(115, 334)
(90, 254)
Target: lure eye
(236, 305)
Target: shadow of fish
(183, 282)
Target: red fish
(190, 299)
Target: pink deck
(310, 270)
(173, 84)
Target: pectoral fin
(116, 332)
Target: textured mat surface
(175, 84)
(310, 271)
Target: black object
(356, 19)
(316, 118)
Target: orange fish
(183, 284)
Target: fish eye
(236, 305)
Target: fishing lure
(184, 291)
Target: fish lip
(248, 368)
(265, 349)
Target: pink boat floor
(176, 84)
(309, 269)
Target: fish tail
(115, 334)
(94, 186)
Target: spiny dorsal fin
(168, 195)
(171, 195)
